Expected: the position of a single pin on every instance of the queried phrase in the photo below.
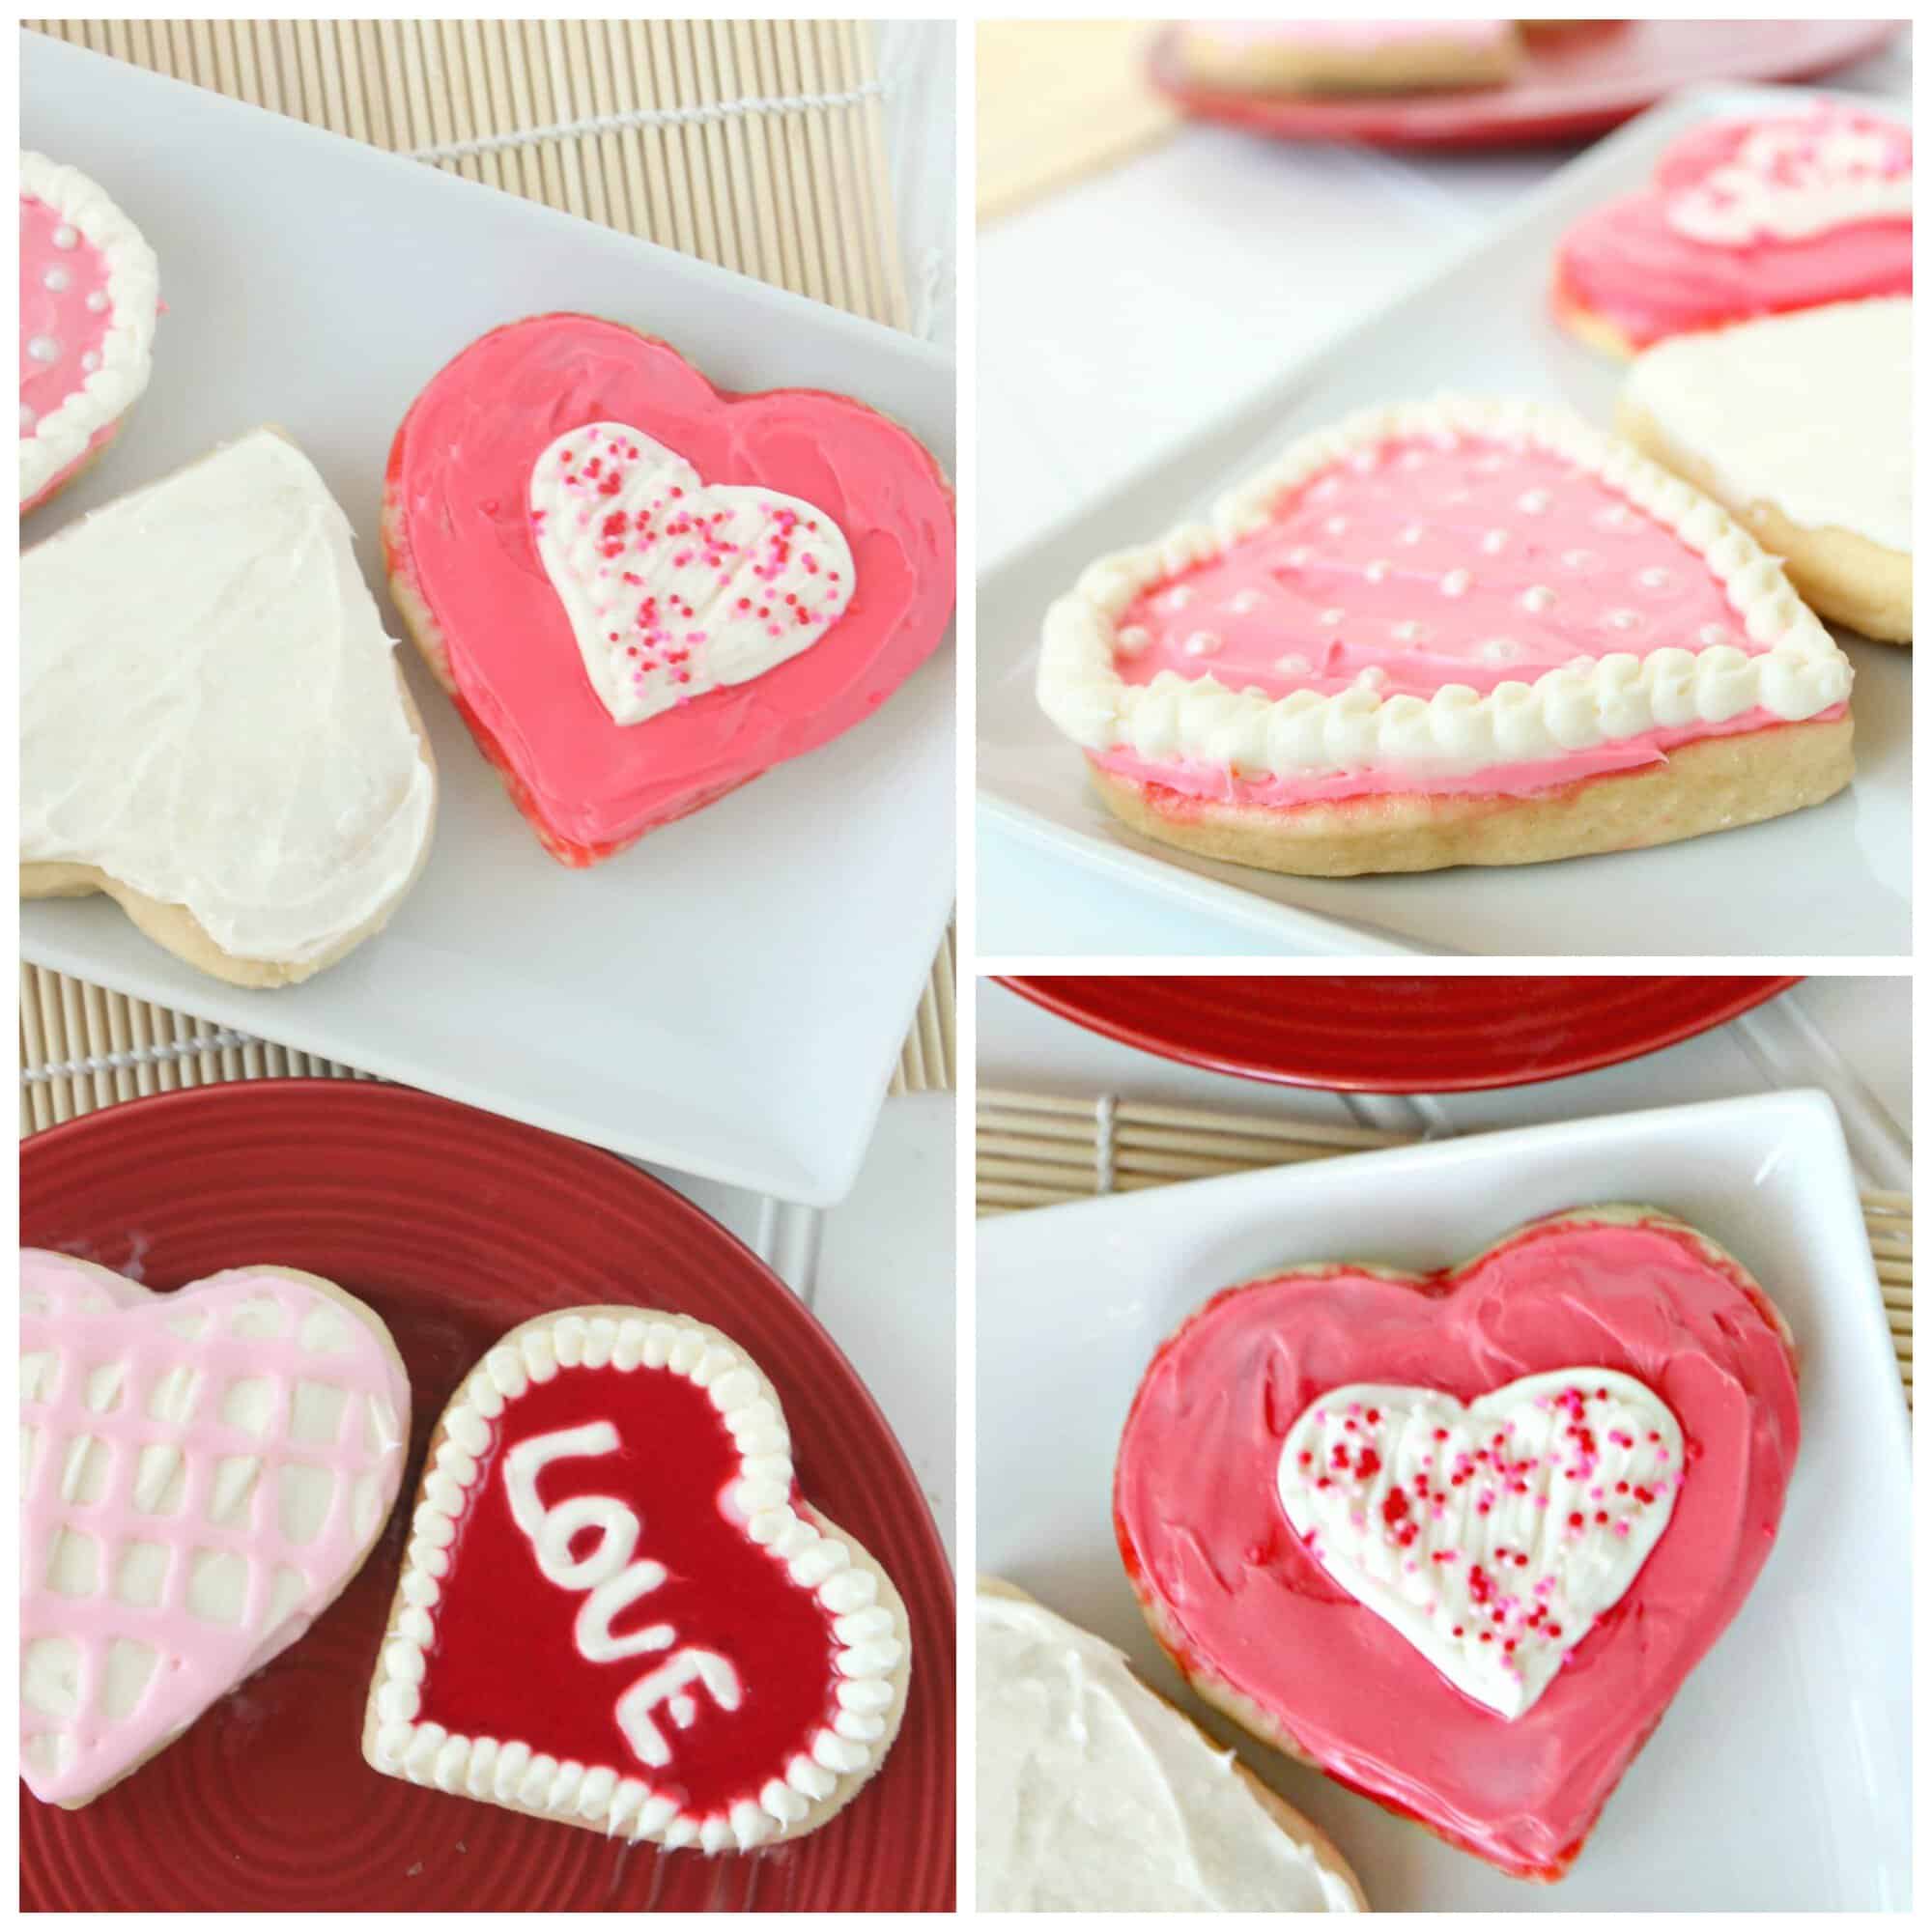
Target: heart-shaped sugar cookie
(1446, 633)
(1345, 1623)
(213, 730)
(616, 1610)
(89, 298)
(202, 1473)
(766, 570)
(1745, 219)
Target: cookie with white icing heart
(1457, 632)
(1744, 218)
(1151, 1814)
(1801, 426)
(1458, 1540)
(642, 591)
(619, 1611)
(90, 294)
(203, 1471)
(214, 729)
(1350, 56)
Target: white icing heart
(1493, 1536)
(674, 587)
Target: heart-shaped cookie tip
(699, 1657)
(672, 586)
(1492, 1535)
(202, 1473)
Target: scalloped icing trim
(512, 1773)
(1170, 720)
(61, 437)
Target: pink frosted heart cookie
(619, 1611)
(89, 295)
(1350, 56)
(1447, 633)
(642, 591)
(203, 1471)
(1745, 219)
(1459, 1539)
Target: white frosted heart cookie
(1441, 632)
(202, 1473)
(1801, 426)
(213, 730)
(619, 1611)
(1147, 1815)
(89, 297)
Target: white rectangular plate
(729, 996)
(1781, 1778)
(1481, 325)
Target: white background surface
(1779, 1777)
(1117, 318)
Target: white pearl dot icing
(66, 236)
(44, 349)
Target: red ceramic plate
(455, 1226)
(1376, 1035)
(1574, 83)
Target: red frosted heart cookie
(1458, 1540)
(89, 297)
(642, 592)
(617, 1611)
(1745, 219)
(1447, 633)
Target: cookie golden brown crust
(1288, 66)
(1711, 785)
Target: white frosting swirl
(1800, 672)
(1096, 1795)
(210, 710)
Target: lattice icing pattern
(201, 1473)
(532, 1462)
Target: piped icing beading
(615, 1605)
(210, 710)
(1841, 462)
(201, 1472)
(1242, 1602)
(1749, 218)
(1426, 594)
(461, 548)
(1097, 1795)
(89, 297)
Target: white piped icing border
(62, 436)
(1457, 730)
(874, 1640)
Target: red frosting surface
(504, 1662)
(1241, 1600)
(1625, 262)
(457, 529)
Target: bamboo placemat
(1037, 1149)
(757, 145)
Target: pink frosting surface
(1626, 263)
(459, 533)
(63, 307)
(92, 1323)
(1519, 780)
(1205, 1541)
